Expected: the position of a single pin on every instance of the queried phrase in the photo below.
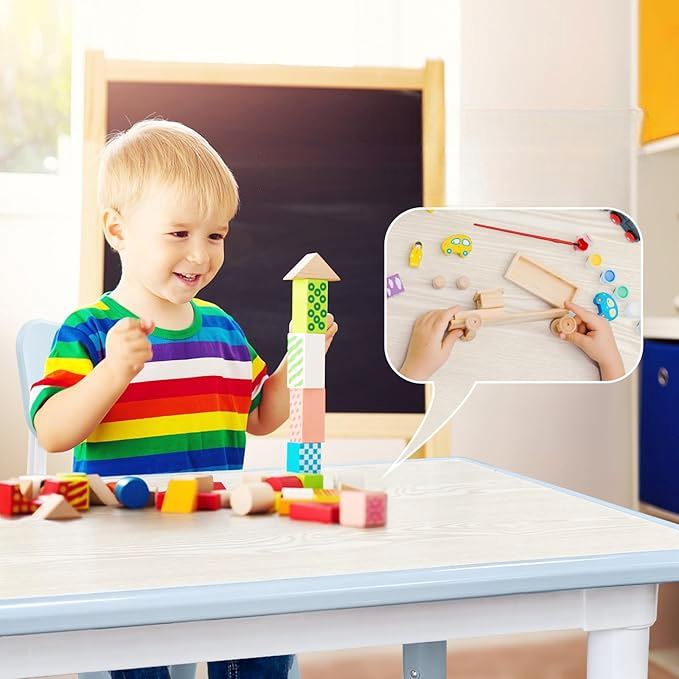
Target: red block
(12, 501)
(160, 495)
(218, 485)
(279, 482)
(208, 501)
(315, 511)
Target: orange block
(75, 490)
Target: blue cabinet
(659, 425)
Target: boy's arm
(70, 416)
(274, 406)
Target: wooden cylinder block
(252, 498)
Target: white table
(468, 551)
(524, 351)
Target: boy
(430, 343)
(161, 381)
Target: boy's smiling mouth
(189, 279)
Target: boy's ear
(113, 231)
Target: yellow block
(326, 496)
(281, 505)
(181, 496)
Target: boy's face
(166, 249)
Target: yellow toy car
(459, 244)
(415, 258)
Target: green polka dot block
(309, 305)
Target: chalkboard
(320, 170)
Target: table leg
(618, 654)
(424, 661)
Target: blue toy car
(606, 306)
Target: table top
(522, 351)
(456, 529)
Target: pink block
(307, 415)
(363, 509)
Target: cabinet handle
(663, 377)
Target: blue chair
(33, 345)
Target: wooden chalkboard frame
(100, 71)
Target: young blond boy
(150, 378)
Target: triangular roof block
(54, 506)
(312, 266)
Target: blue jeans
(274, 667)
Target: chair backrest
(33, 345)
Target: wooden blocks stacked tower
(310, 278)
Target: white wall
(548, 117)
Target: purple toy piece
(394, 285)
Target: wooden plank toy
(297, 493)
(76, 490)
(540, 280)
(100, 493)
(489, 299)
(205, 483)
(132, 492)
(253, 498)
(279, 482)
(307, 415)
(315, 511)
(181, 496)
(55, 507)
(363, 509)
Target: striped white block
(306, 361)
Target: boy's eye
(179, 234)
(217, 236)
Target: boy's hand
(430, 344)
(331, 331)
(595, 337)
(128, 346)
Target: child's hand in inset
(430, 344)
(128, 346)
(595, 337)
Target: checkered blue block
(304, 457)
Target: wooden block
(312, 265)
(307, 415)
(363, 509)
(209, 501)
(282, 505)
(309, 306)
(254, 498)
(205, 483)
(278, 482)
(224, 498)
(311, 480)
(76, 490)
(160, 495)
(297, 493)
(30, 484)
(181, 496)
(12, 502)
(132, 492)
(394, 285)
(541, 281)
(489, 299)
(315, 511)
(349, 480)
(55, 507)
(251, 477)
(306, 361)
(304, 457)
(326, 496)
(218, 485)
(100, 493)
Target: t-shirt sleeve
(69, 360)
(259, 376)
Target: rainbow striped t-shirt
(187, 410)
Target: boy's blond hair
(169, 152)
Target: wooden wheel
(565, 325)
(472, 322)
(468, 335)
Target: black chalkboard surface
(319, 170)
